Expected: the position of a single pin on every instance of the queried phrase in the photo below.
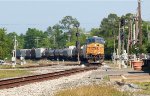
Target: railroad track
(15, 82)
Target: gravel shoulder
(46, 88)
(50, 87)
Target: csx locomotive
(91, 52)
(95, 49)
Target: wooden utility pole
(123, 42)
(114, 44)
(37, 40)
(14, 52)
(140, 22)
(78, 43)
(54, 41)
(129, 36)
(119, 42)
(119, 47)
(136, 28)
(133, 35)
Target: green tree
(59, 36)
(33, 38)
(68, 22)
(21, 41)
(5, 44)
(108, 30)
(109, 25)
(56, 36)
(82, 37)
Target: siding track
(14, 82)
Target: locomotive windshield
(95, 40)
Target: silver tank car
(51, 54)
(46, 53)
(39, 52)
(68, 53)
(65, 54)
(28, 54)
(32, 53)
(18, 53)
(56, 53)
(23, 52)
(60, 52)
(61, 57)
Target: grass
(13, 73)
(145, 86)
(111, 63)
(106, 78)
(10, 66)
(6, 67)
(17, 66)
(108, 61)
(94, 90)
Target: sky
(19, 15)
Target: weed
(94, 90)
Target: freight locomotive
(91, 52)
(95, 49)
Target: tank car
(28, 54)
(39, 52)
(56, 54)
(61, 57)
(32, 53)
(65, 54)
(23, 52)
(74, 54)
(51, 54)
(18, 54)
(46, 53)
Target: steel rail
(19, 81)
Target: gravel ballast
(50, 87)
(45, 88)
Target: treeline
(109, 29)
(63, 34)
(60, 35)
